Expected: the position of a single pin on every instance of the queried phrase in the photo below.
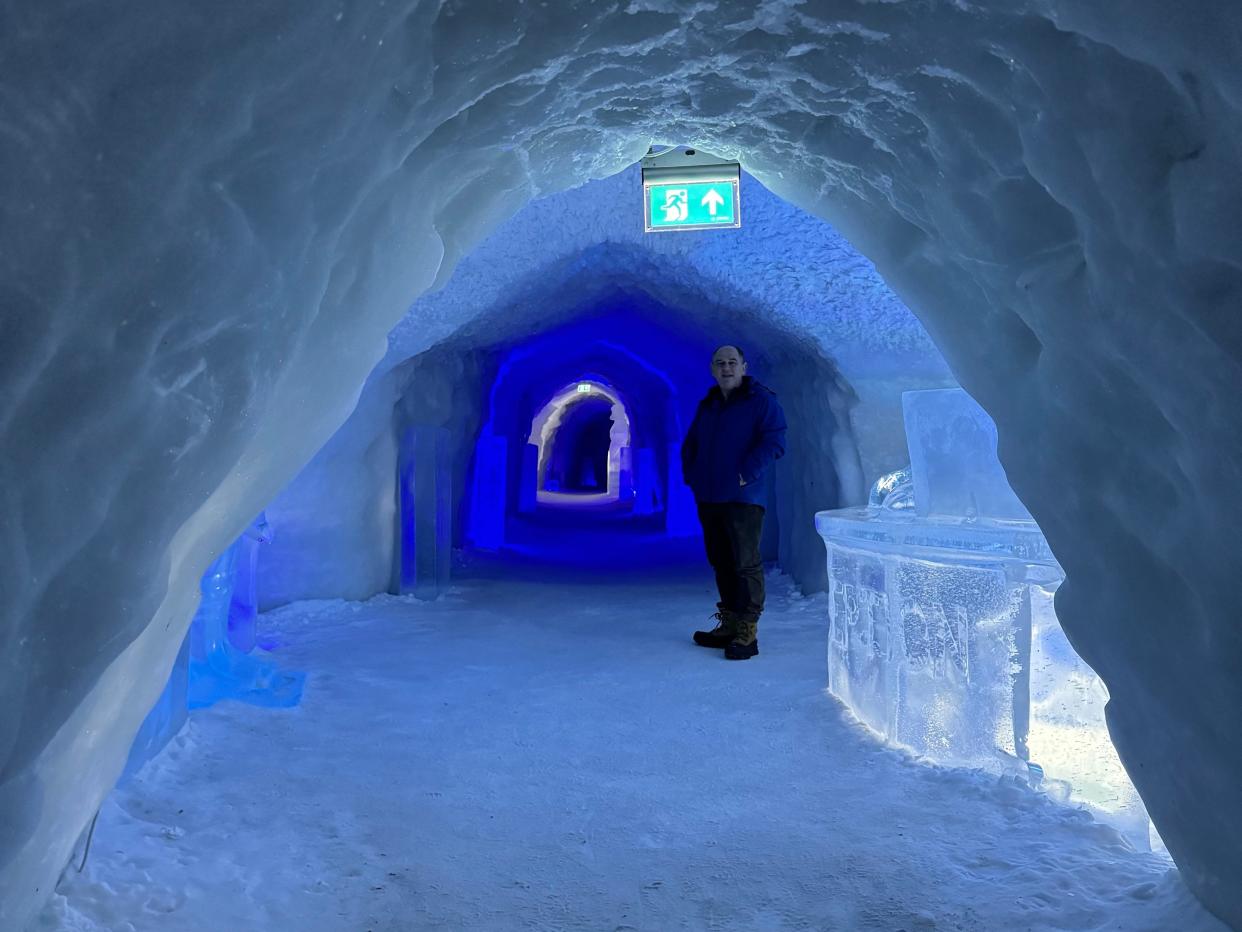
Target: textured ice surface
(923, 652)
(340, 511)
(943, 635)
(1066, 735)
(213, 216)
(943, 638)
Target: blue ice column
(625, 475)
(426, 511)
(217, 668)
(683, 517)
(528, 492)
(244, 608)
(487, 501)
(646, 488)
(214, 661)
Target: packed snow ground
(558, 756)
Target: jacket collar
(746, 388)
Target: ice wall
(212, 216)
(338, 515)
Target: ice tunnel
(635, 331)
(213, 224)
(592, 382)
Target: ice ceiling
(213, 216)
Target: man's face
(728, 368)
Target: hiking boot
(738, 650)
(745, 643)
(719, 636)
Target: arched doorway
(584, 455)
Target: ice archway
(556, 430)
(211, 221)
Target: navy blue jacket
(730, 439)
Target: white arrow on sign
(712, 200)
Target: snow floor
(555, 756)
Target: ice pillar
(219, 670)
(528, 491)
(426, 511)
(487, 504)
(682, 518)
(244, 606)
(646, 490)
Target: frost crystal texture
(943, 636)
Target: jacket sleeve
(689, 448)
(769, 442)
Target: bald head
(728, 367)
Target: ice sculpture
(244, 606)
(953, 464)
(943, 635)
(215, 660)
(893, 491)
(218, 668)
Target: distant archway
(583, 438)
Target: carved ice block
(953, 458)
(943, 638)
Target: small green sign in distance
(691, 205)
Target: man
(737, 433)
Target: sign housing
(689, 190)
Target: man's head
(728, 367)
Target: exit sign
(697, 205)
(691, 196)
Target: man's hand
(740, 480)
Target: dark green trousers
(731, 532)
